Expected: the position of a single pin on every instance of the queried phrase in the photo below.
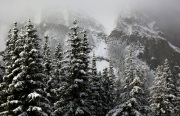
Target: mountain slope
(150, 46)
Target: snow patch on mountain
(138, 23)
(176, 49)
(101, 65)
(100, 50)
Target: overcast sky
(105, 11)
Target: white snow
(151, 25)
(17, 109)
(100, 50)
(78, 80)
(34, 95)
(176, 49)
(101, 65)
(19, 84)
(36, 109)
(135, 90)
(79, 111)
(17, 77)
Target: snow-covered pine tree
(176, 76)
(11, 53)
(48, 71)
(12, 62)
(111, 72)
(94, 68)
(171, 95)
(106, 92)
(164, 94)
(132, 101)
(96, 92)
(57, 75)
(158, 93)
(58, 62)
(47, 57)
(85, 50)
(107, 89)
(74, 90)
(140, 93)
(118, 88)
(7, 60)
(111, 79)
(26, 95)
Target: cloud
(105, 11)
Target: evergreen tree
(74, 90)
(172, 105)
(158, 93)
(11, 54)
(95, 87)
(11, 60)
(94, 68)
(58, 61)
(57, 75)
(111, 79)
(25, 93)
(58, 64)
(111, 72)
(106, 92)
(108, 88)
(118, 88)
(47, 57)
(164, 95)
(132, 101)
(85, 50)
(48, 71)
(176, 77)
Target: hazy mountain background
(152, 27)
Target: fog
(105, 11)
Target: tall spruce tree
(12, 63)
(96, 91)
(111, 79)
(176, 76)
(172, 98)
(57, 75)
(25, 92)
(132, 98)
(58, 62)
(47, 57)
(164, 95)
(107, 88)
(48, 71)
(106, 93)
(158, 93)
(74, 90)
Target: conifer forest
(66, 63)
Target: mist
(104, 11)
